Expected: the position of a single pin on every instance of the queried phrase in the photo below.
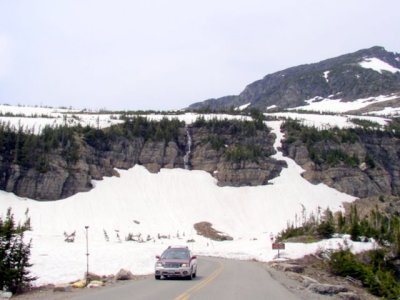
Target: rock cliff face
(362, 163)
(337, 78)
(63, 178)
(235, 173)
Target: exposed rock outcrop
(231, 173)
(99, 157)
(367, 165)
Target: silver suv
(176, 261)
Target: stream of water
(188, 149)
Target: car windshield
(175, 254)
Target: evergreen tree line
(23, 147)
(137, 127)
(245, 151)
(313, 138)
(375, 269)
(384, 228)
(14, 254)
(21, 115)
(310, 134)
(232, 127)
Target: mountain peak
(365, 73)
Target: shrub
(344, 263)
(379, 280)
(218, 126)
(326, 229)
(368, 124)
(290, 232)
(216, 142)
(246, 152)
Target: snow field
(328, 121)
(328, 105)
(378, 65)
(36, 118)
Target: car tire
(194, 274)
(157, 277)
(189, 277)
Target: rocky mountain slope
(362, 74)
(63, 161)
(362, 162)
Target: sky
(161, 55)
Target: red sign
(278, 246)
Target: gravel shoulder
(48, 293)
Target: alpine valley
(291, 145)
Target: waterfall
(188, 149)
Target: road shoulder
(301, 279)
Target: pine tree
(14, 255)
(341, 222)
(355, 229)
(327, 227)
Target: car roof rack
(178, 246)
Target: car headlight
(184, 265)
(159, 264)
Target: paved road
(216, 279)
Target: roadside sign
(278, 246)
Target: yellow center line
(185, 295)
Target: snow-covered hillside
(36, 118)
(167, 204)
(328, 121)
(329, 105)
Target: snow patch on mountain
(326, 75)
(387, 111)
(327, 121)
(321, 104)
(243, 107)
(378, 65)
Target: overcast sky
(167, 54)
